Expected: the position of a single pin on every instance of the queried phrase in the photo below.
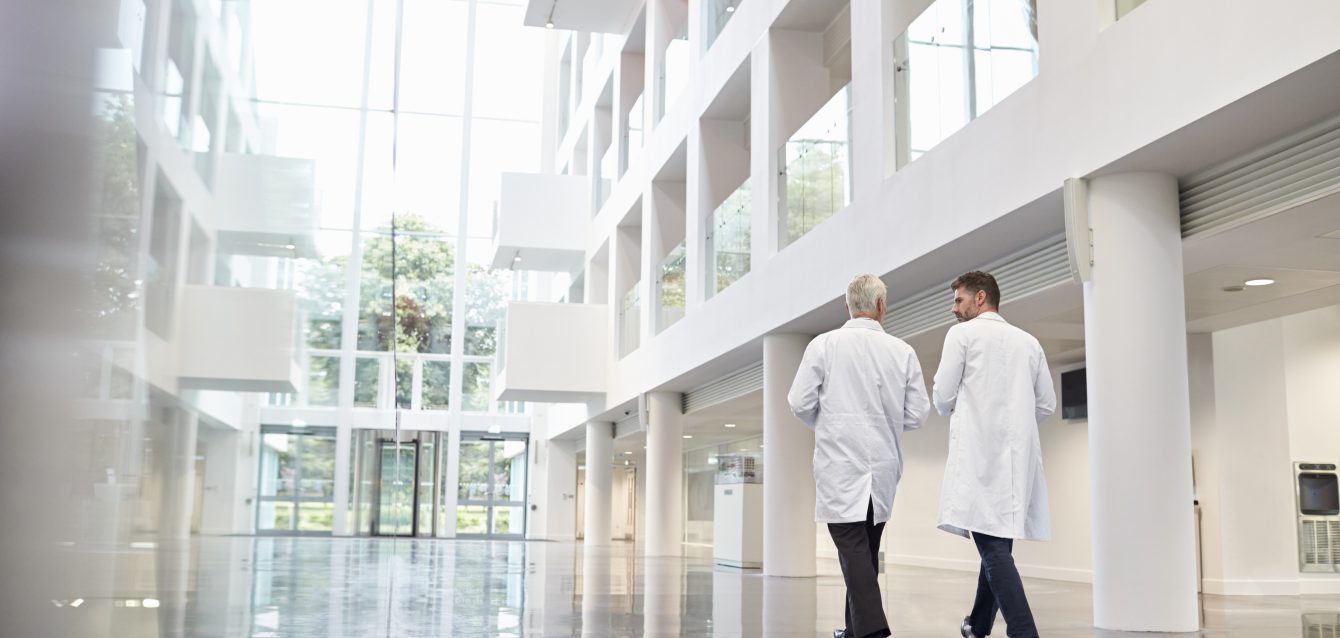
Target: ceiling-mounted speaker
(1078, 231)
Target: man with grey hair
(859, 388)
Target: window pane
(486, 305)
(509, 520)
(472, 519)
(367, 380)
(424, 285)
(509, 471)
(436, 385)
(323, 381)
(475, 391)
(318, 467)
(497, 146)
(505, 48)
(474, 471)
(316, 517)
(278, 465)
(309, 51)
(427, 173)
(432, 67)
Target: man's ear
(981, 297)
(880, 306)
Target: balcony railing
(955, 61)
(416, 382)
(630, 320)
(670, 289)
(818, 169)
(728, 240)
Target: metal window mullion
(970, 60)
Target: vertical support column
(788, 462)
(665, 474)
(872, 95)
(452, 482)
(1144, 561)
(599, 481)
(343, 473)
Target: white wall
(911, 537)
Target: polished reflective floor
(321, 587)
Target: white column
(1144, 561)
(788, 462)
(599, 481)
(665, 474)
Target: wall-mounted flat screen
(1074, 395)
(1318, 494)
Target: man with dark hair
(994, 382)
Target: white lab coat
(994, 379)
(859, 388)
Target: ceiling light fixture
(730, 425)
(688, 436)
(549, 22)
(1258, 282)
(730, 8)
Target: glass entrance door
(491, 498)
(297, 480)
(397, 505)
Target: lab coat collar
(993, 316)
(862, 322)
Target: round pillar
(665, 474)
(1144, 552)
(599, 482)
(788, 465)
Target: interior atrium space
(728, 318)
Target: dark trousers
(999, 588)
(858, 551)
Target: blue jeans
(1000, 588)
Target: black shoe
(966, 629)
(841, 633)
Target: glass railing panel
(670, 283)
(630, 320)
(728, 240)
(956, 61)
(633, 138)
(817, 173)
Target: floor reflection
(326, 588)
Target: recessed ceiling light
(688, 436)
(1258, 282)
(730, 8)
(549, 25)
(150, 603)
(628, 453)
(730, 425)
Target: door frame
(491, 503)
(296, 499)
(382, 445)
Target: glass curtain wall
(955, 61)
(344, 154)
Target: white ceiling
(598, 16)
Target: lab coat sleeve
(916, 405)
(950, 374)
(1043, 390)
(804, 394)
